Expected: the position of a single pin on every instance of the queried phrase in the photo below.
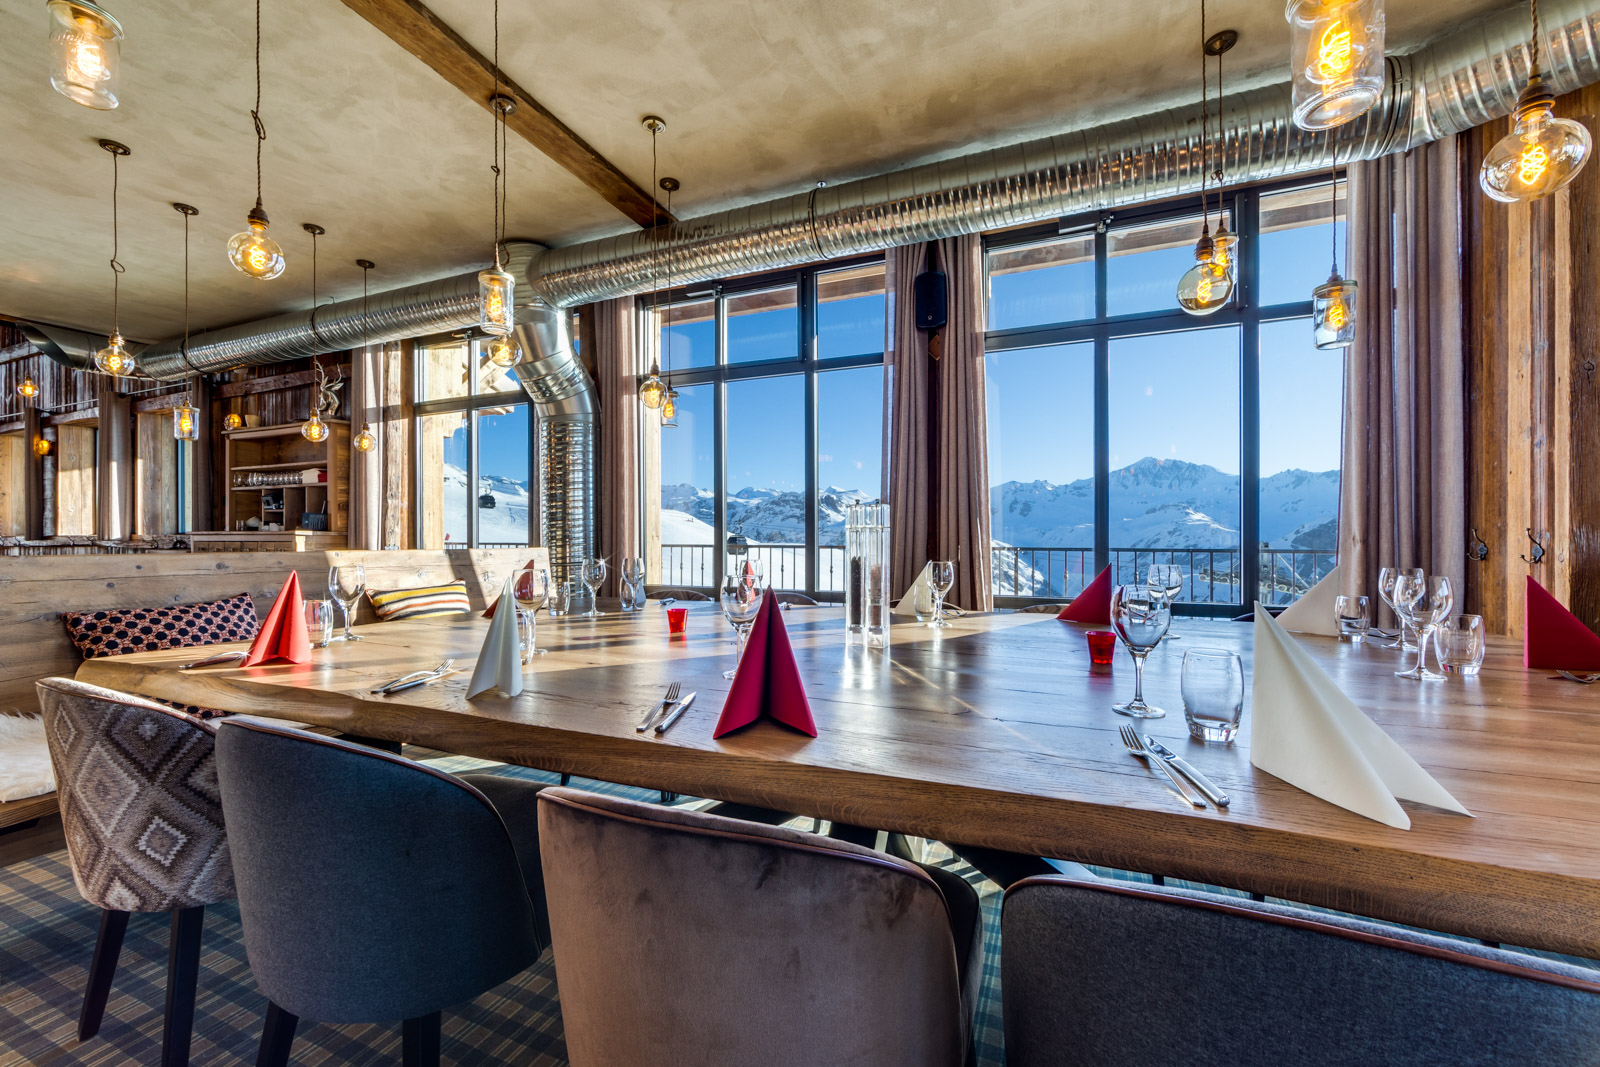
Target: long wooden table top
(997, 732)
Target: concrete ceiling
(761, 99)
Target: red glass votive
(1102, 643)
(677, 620)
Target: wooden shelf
(318, 464)
(262, 449)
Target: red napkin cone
(1553, 638)
(488, 612)
(1093, 605)
(768, 682)
(283, 634)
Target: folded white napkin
(919, 598)
(1307, 732)
(1313, 612)
(500, 659)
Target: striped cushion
(449, 599)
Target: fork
(666, 702)
(415, 675)
(1130, 738)
(1581, 679)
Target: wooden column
(395, 430)
(203, 469)
(113, 464)
(33, 475)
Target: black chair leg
(183, 971)
(107, 947)
(419, 1041)
(566, 779)
(277, 1035)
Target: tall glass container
(866, 591)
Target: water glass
(1165, 580)
(1141, 620)
(528, 636)
(632, 573)
(1459, 644)
(741, 601)
(1424, 603)
(319, 622)
(1213, 693)
(594, 576)
(1102, 646)
(941, 576)
(561, 596)
(346, 583)
(1387, 579)
(677, 621)
(1354, 618)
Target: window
(1124, 432)
(778, 426)
(474, 445)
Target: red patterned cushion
(120, 630)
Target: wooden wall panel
(155, 475)
(75, 481)
(13, 493)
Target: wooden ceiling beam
(422, 33)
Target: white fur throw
(25, 769)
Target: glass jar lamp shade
(1204, 287)
(28, 389)
(185, 422)
(1539, 156)
(669, 407)
(252, 251)
(652, 393)
(496, 289)
(364, 441)
(314, 429)
(85, 53)
(503, 352)
(114, 358)
(1224, 249)
(1336, 58)
(1333, 313)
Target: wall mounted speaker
(931, 296)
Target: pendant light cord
(655, 254)
(1534, 44)
(669, 289)
(1333, 196)
(316, 341)
(183, 350)
(255, 112)
(498, 118)
(1205, 139)
(116, 264)
(1216, 174)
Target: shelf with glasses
(283, 450)
(317, 464)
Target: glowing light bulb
(252, 251)
(232, 421)
(1337, 316)
(1338, 68)
(185, 422)
(652, 393)
(1333, 312)
(496, 291)
(1204, 287)
(1223, 244)
(364, 441)
(669, 406)
(85, 53)
(89, 60)
(1540, 155)
(29, 388)
(314, 429)
(503, 352)
(1333, 52)
(41, 447)
(114, 358)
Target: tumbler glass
(1353, 617)
(1213, 693)
(1459, 644)
(319, 622)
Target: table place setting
(283, 637)
(499, 664)
(417, 678)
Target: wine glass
(741, 600)
(632, 583)
(530, 587)
(1387, 577)
(748, 569)
(941, 576)
(1426, 601)
(346, 583)
(1141, 620)
(594, 576)
(1166, 581)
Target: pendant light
(1542, 153)
(185, 418)
(251, 250)
(1224, 241)
(669, 400)
(652, 393)
(314, 429)
(232, 420)
(496, 287)
(1336, 57)
(1204, 287)
(85, 53)
(365, 441)
(1333, 303)
(114, 358)
(28, 389)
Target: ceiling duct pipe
(1452, 85)
(73, 349)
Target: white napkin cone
(1307, 732)
(920, 593)
(500, 659)
(1313, 612)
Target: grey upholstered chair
(138, 792)
(689, 595)
(794, 600)
(372, 888)
(685, 938)
(1115, 974)
(1040, 609)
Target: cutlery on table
(427, 679)
(677, 713)
(1131, 739)
(212, 661)
(415, 676)
(660, 707)
(1581, 679)
(1201, 782)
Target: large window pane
(691, 331)
(765, 475)
(1302, 392)
(442, 480)
(1037, 284)
(1297, 242)
(1174, 489)
(764, 325)
(850, 311)
(442, 370)
(1041, 469)
(849, 459)
(1146, 261)
(685, 523)
(502, 496)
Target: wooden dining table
(998, 732)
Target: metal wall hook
(1538, 549)
(1477, 550)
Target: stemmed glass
(531, 588)
(1387, 577)
(1166, 582)
(741, 601)
(632, 583)
(941, 576)
(594, 576)
(346, 583)
(1141, 620)
(1423, 602)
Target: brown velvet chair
(143, 823)
(686, 938)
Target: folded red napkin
(1553, 638)
(283, 634)
(768, 682)
(1093, 604)
(488, 612)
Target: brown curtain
(366, 468)
(936, 453)
(1402, 485)
(618, 365)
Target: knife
(211, 661)
(1206, 786)
(392, 690)
(675, 714)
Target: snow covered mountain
(762, 515)
(504, 523)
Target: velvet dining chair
(144, 830)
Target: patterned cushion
(139, 799)
(448, 599)
(118, 630)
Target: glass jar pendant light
(503, 352)
(115, 359)
(1224, 242)
(1333, 303)
(1336, 51)
(364, 441)
(185, 417)
(85, 53)
(652, 391)
(186, 421)
(232, 420)
(251, 250)
(1206, 286)
(669, 399)
(1542, 153)
(496, 287)
(28, 389)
